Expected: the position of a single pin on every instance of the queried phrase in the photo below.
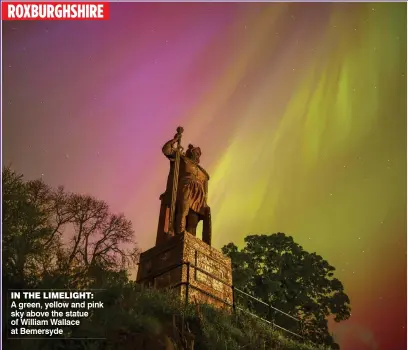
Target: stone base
(206, 276)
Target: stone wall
(209, 277)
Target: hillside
(144, 318)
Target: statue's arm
(169, 149)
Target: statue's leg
(207, 226)
(181, 216)
(192, 221)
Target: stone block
(199, 272)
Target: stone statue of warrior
(190, 195)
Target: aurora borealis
(299, 109)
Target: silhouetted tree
(278, 271)
(50, 233)
(98, 238)
(27, 235)
(56, 239)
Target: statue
(184, 203)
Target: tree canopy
(50, 233)
(280, 272)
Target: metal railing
(270, 314)
(270, 317)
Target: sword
(179, 149)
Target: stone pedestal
(197, 271)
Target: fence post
(233, 298)
(188, 281)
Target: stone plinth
(206, 278)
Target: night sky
(299, 109)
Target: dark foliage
(278, 271)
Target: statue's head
(194, 153)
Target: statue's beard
(194, 157)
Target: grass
(133, 315)
(152, 311)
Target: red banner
(26, 11)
